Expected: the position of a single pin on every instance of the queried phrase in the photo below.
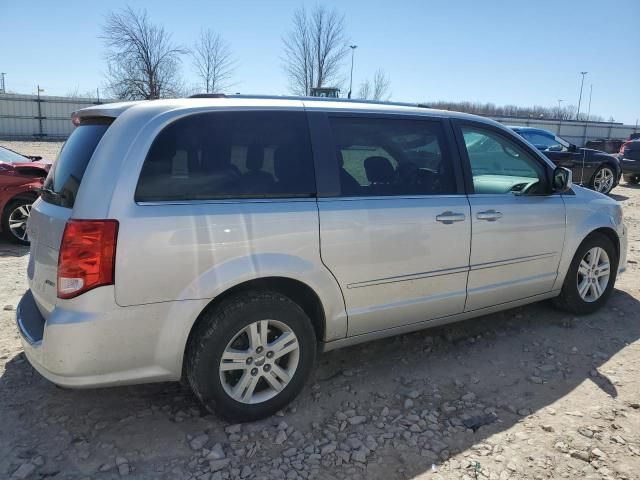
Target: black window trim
(457, 125)
(231, 199)
(326, 160)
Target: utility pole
(2, 87)
(559, 115)
(353, 50)
(98, 95)
(40, 111)
(580, 97)
(560, 108)
(584, 139)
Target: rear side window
(386, 157)
(227, 155)
(61, 186)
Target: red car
(20, 180)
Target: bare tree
(378, 89)
(381, 86)
(314, 49)
(365, 90)
(213, 61)
(142, 60)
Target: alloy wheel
(18, 221)
(603, 181)
(259, 361)
(593, 274)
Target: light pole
(559, 108)
(353, 51)
(580, 97)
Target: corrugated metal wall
(27, 116)
(21, 119)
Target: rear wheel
(14, 221)
(590, 277)
(250, 356)
(603, 180)
(634, 179)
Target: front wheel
(590, 277)
(250, 356)
(14, 221)
(603, 180)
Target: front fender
(588, 211)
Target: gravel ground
(529, 393)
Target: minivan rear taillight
(87, 256)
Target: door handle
(489, 215)
(449, 217)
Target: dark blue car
(591, 168)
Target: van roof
(113, 110)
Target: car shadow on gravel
(8, 249)
(466, 381)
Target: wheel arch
(21, 195)
(296, 290)
(607, 231)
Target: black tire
(218, 327)
(612, 170)
(569, 298)
(634, 179)
(11, 207)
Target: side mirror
(562, 179)
(573, 148)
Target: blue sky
(505, 52)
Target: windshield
(63, 182)
(9, 156)
(545, 140)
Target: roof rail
(309, 99)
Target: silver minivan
(227, 241)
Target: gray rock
(283, 425)
(24, 470)
(216, 465)
(357, 420)
(216, 453)
(469, 397)
(475, 422)
(121, 461)
(197, 443)
(245, 472)
(281, 437)
(413, 394)
(328, 448)
(290, 452)
(408, 403)
(124, 469)
(360, 455)
(233, 428)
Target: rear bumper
(107, 346)
(630, 166)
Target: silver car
(228, 241)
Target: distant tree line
(567, 112)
